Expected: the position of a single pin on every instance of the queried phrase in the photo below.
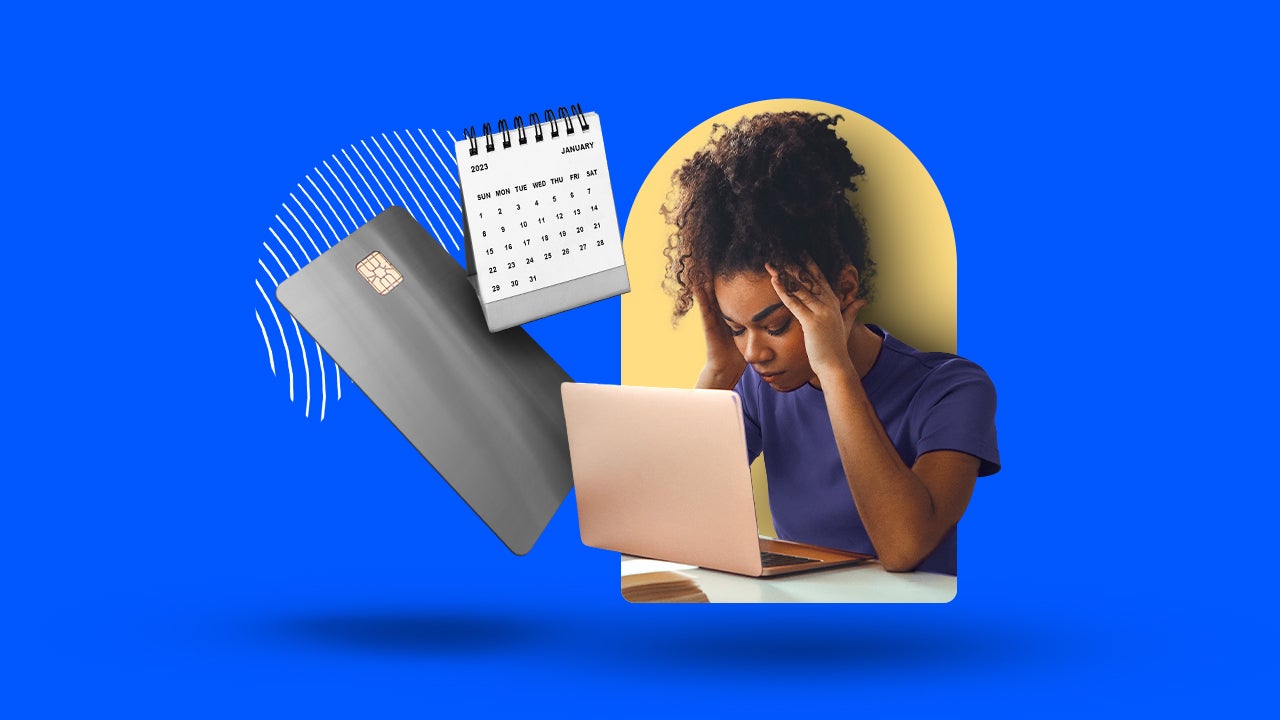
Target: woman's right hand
(724, 363)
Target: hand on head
(826, 317)
(723, 359)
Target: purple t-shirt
(925, 401)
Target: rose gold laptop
(663, 473)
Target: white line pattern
(353, 184)
(271, 357)
(345, 231)
(273, 254)
(288, 360)
(283, 247)
(271, 277)
(313, 224)
(421, 212)
(433, 172)
(303, 250)
(403, 204)
(406, 178)
(448, 149)
(333, 192)
(356, 150)
(337, 371)
(324, 393)
(306, 366)
(424, 192)
(399, 177)
(303, 229)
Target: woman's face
(767, 334)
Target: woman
(870, 445)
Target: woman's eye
(738, 332)
(780, 329)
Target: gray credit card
(398, 314)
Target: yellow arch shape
(912, 244)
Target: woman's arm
(725, 365)
(906, 510)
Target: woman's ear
(847, 286)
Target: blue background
(178, 540)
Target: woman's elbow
(903, 559)
(899, 563)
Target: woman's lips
(771, 378)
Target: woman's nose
(757, 350)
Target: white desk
(857, 584)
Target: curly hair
(769, 189)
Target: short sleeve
(956, 409)
(749, 396)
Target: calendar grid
(539, 216)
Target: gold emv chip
(380, 273)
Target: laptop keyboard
(778, 560)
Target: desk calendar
(541, 226)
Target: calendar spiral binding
(555, 119)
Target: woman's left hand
(826, 324)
